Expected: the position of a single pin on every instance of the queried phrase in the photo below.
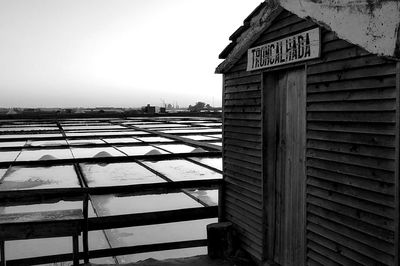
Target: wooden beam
(137, 189)
(112, 159)
(138, 219)
(110, 252)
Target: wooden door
(284, 137)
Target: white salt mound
(47, 157)
(102, 154)
(153, 152)
(198, 150)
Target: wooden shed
(311, 132)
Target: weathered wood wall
(350, 156)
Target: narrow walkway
(202, 260)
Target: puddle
(180, 170)
(118, 174)
(19, 178)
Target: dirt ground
(202, 260)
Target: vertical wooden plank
(284, 167)
(303, 192)
(2, 253)
(280, 166)
(293, 174)
(221, 191)
(397, 168)
(264, 187)
(270, 159)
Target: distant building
(148, 109)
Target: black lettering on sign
(298, 47)
(300, 43)
(277, 52)
(253, 58)
(272, 50)
(308, 48)
(294, 52)
(281, 58)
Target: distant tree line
(199, 106)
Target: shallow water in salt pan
(154, 139)
(180, 170)
(112, 205)
(45, 154)
(213, 162)
(85, 141)
(92, 152)
(15, 136)
(176, 148)
(140, 150)
(118, 174)
(8, 156)
(18, 178)
(120, 140)
(41, 143)
(12, 144)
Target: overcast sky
(125, 53)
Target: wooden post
(3, 257)
(221, 190)
(75, 249)
(85, 233)
(219, 240)
(397, 170)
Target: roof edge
(258, 24)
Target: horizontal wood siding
(351, 110)
(242, 156)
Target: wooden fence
(118, 221)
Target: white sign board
(299, 47)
